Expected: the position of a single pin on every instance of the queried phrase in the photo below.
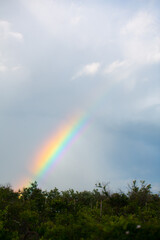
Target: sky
(98, 58)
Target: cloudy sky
(63, 57)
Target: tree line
(72, 215)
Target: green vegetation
(97, 215)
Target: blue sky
(58, 58)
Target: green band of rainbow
(56, 147)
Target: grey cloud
(37, 93)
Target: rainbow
(55, 148)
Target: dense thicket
(100, 214)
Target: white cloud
(89, 69)
(3, 68)
(8, 50)
(16, 68)
(122, 71)
(141, 39)
(115, 65)
(141, 24)
(16, 35)
(75, 20)
(6, 32)
(56, 17)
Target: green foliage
(54, 215)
